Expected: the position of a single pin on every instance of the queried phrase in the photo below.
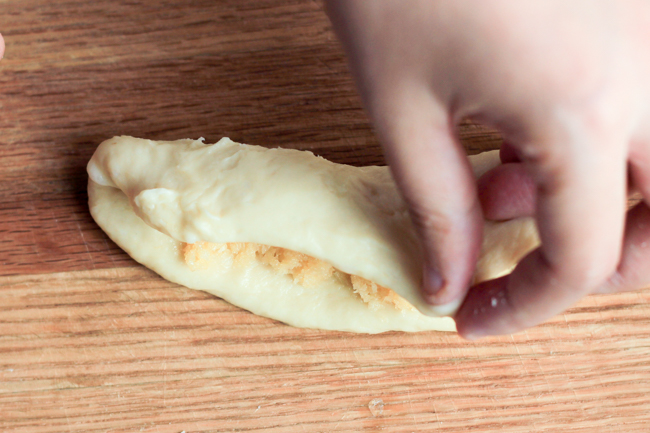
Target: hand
(2, 47)
(567, 85)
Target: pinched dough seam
(305, 270)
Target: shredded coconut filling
(305, 270)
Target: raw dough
(154, 198)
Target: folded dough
(282, 233)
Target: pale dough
(152, 197)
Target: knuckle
(428, 221)
(438, 221)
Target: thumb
(436, 180)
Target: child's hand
(567, 84)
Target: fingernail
(432, 285)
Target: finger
(580, 215)
(428, 163)
(2, 47)
(433, 173)
(633, 272)
(507, 191)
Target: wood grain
(92, 342)
(122, 350)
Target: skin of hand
(567, 85)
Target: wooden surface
(92, 342)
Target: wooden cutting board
(92, 342)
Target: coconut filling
(305, 270)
